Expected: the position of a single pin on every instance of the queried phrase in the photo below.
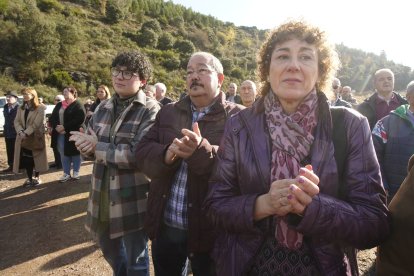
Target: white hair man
(248, 93)
(384, 100)
(231, 94)
(160, 91)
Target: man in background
(384, 100)
(346, 95)
(231, 94)
(150, 91)
(393, 138)
(161, 91)
(9, 113)
(248, 93)
(337, 89)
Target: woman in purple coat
(274, 195)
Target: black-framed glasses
(125, 73)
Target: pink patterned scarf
(291, 142)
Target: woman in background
(102, 93)
(52, 123)
(274, 196)
(71, 117)
(30, 119)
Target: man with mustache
(178, 154)
(384, 100)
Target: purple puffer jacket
(330, 224)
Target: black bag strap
(340, 142)
(340, 145)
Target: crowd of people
(289, 177)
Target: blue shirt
(175, 214)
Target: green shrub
(49, 5)
(59, 79)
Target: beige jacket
(35, 121)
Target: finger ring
(174, 157)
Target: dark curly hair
(328, 61)
(135, 62)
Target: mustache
(195, 83)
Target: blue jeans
(127, 255)
(169, 255)
(67, 161)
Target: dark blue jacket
(9, 131)
(243, 173)
(393, 139)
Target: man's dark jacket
(237, 98)
(150, 153)
(9, 131)
(368, 108)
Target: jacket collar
(218, 106)
(140, 98)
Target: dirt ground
(41, 228)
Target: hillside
(50, 44)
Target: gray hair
(215, 62)
(161, 86)
(60, 97)
(383, 70)
(410, 87)
(251, 82)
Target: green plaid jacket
(128, 187)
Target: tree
(114, 13)
(3, 6)
(165, 41)
(147, 38)
(37, 41)
(151, 24)
(59, 79)
(184, 46)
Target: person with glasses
(9, 133)
(178, 154)
(118, 197)
(30, 121)
(337, 91)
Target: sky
(371, 26)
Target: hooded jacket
(393, 138)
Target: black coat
(73, 118)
